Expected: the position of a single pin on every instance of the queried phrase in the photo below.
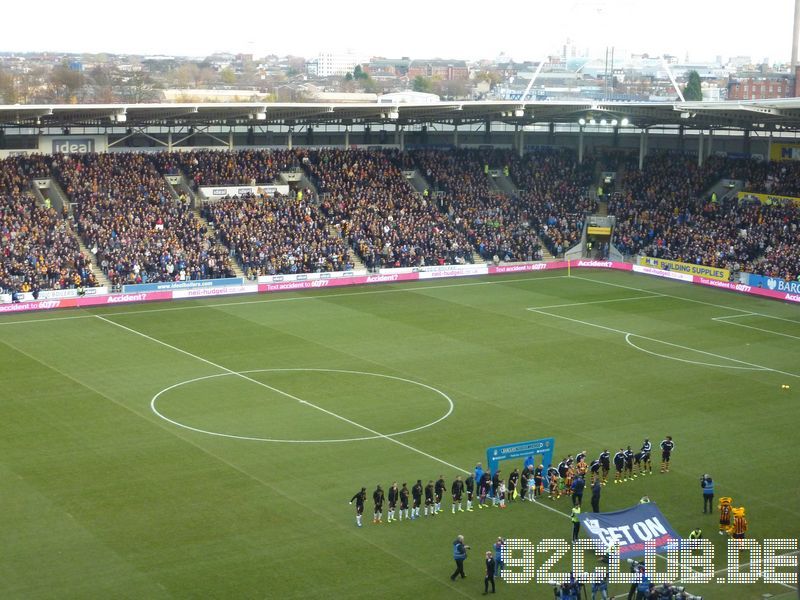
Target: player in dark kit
(429, 501)
(441, 488)
(484, 489)
(628, 464)
(403, 502)
(605, 464)
(457, 489)
(359, 498)
(667, 446)
(394, 496)
(469, 484)
(619, 465)
(416, 495)
(495, 487)
(377, 498)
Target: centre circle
(244, 375)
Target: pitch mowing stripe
(414, 287)
(598, 301)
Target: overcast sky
(527, 29)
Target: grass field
(103, 498)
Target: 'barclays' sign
(775, 284)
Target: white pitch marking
(155, 398)
(278, 391)
(598, 302)
(293, 298)
(635, 289)
(734, 316)
(724, 320)
(644, 337)
(686, 360)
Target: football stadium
(267, 351)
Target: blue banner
(543, 447)
(182, 285)
(773, 283)
(630, 528)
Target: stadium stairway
(506, 185)
(98, 272)
(725, 188)
(358, 264)
(213, 240)
(546, 254)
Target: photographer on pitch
(459, 555)
(708, 492)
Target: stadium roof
(764, 114)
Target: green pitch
(103, 498)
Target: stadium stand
(664, 214)
(39, 251)
(554, 188)
(494, 223)
(223, 167)
(272, 235)
(366, 196)
(126, 215)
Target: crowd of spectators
(129, 220)
(665, 212)
(271, 235)
(495, 224)
(779, 178)
(125, 212)
(366, 196)
(39, 251)
(554, 189)
(225, 167)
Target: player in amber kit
(667, 446)
(724, 514)
(569, 477)
(739, 527)
(553, 483)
